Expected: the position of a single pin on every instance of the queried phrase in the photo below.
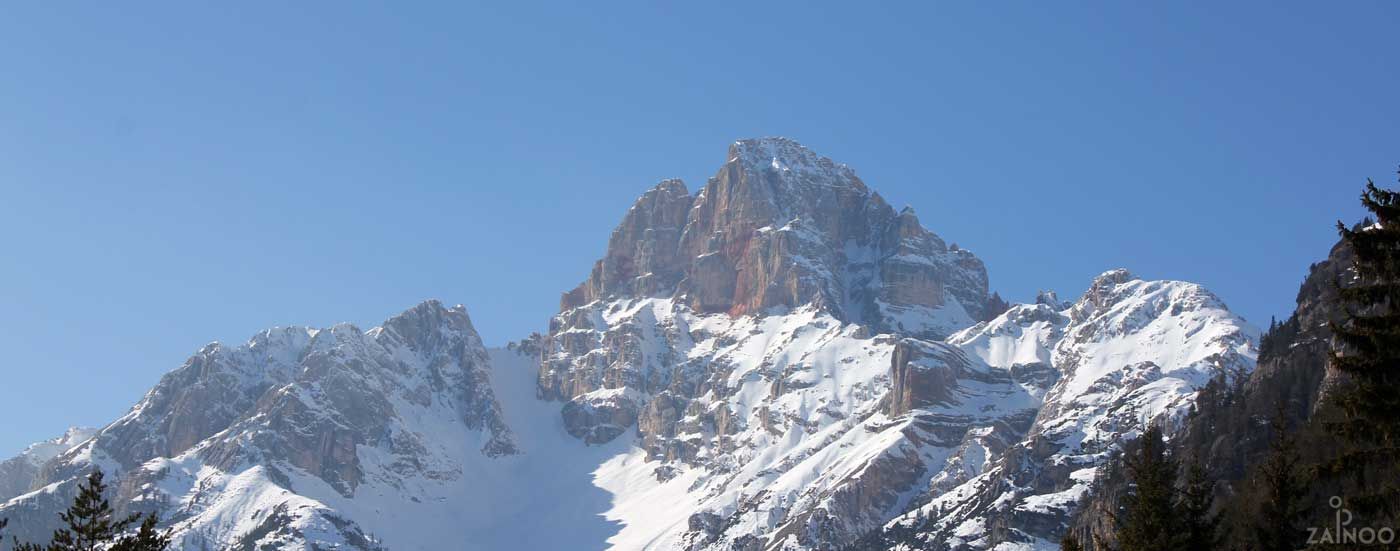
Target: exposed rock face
(213, 388)
(778, 430)
(925, 374)
(355, 386)
(20, 474)
(778, 227)
(1051, 299)
(1307, 350)
(644, 256)
(597, 418)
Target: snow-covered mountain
(291, 437)
(19, 473)
(778, 361)
(1126, 354)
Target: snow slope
(775, 428)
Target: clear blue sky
(172, 175)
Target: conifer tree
(1150, 522)
(18, 546)
(91, 525)
(147, 538)
(1368, 351)
(1197, 496)
(90, 522)
(1275, 527)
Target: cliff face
(643, 256)
(780, 226)
(1294, 366)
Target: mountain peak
(48, 449)
(1100, 293)
(76, 435)
(785, 156)
(425, 324)
(430, 308)
(1112, 277)
(780, 225)
(670, 186)
(1051, 299)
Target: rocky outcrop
(599, 417)
(643, 256)
(779, 227)
(924, 374)
(1051, 299)
(1298, 372)
(354, 389)
(216, 386)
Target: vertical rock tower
(779, 227)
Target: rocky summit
(779, 360)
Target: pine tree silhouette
(1200, 525)
(91, 525)
(1150, 522)
(147, 538)
(90, 520)
(1368, 351)
(1275, 526)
